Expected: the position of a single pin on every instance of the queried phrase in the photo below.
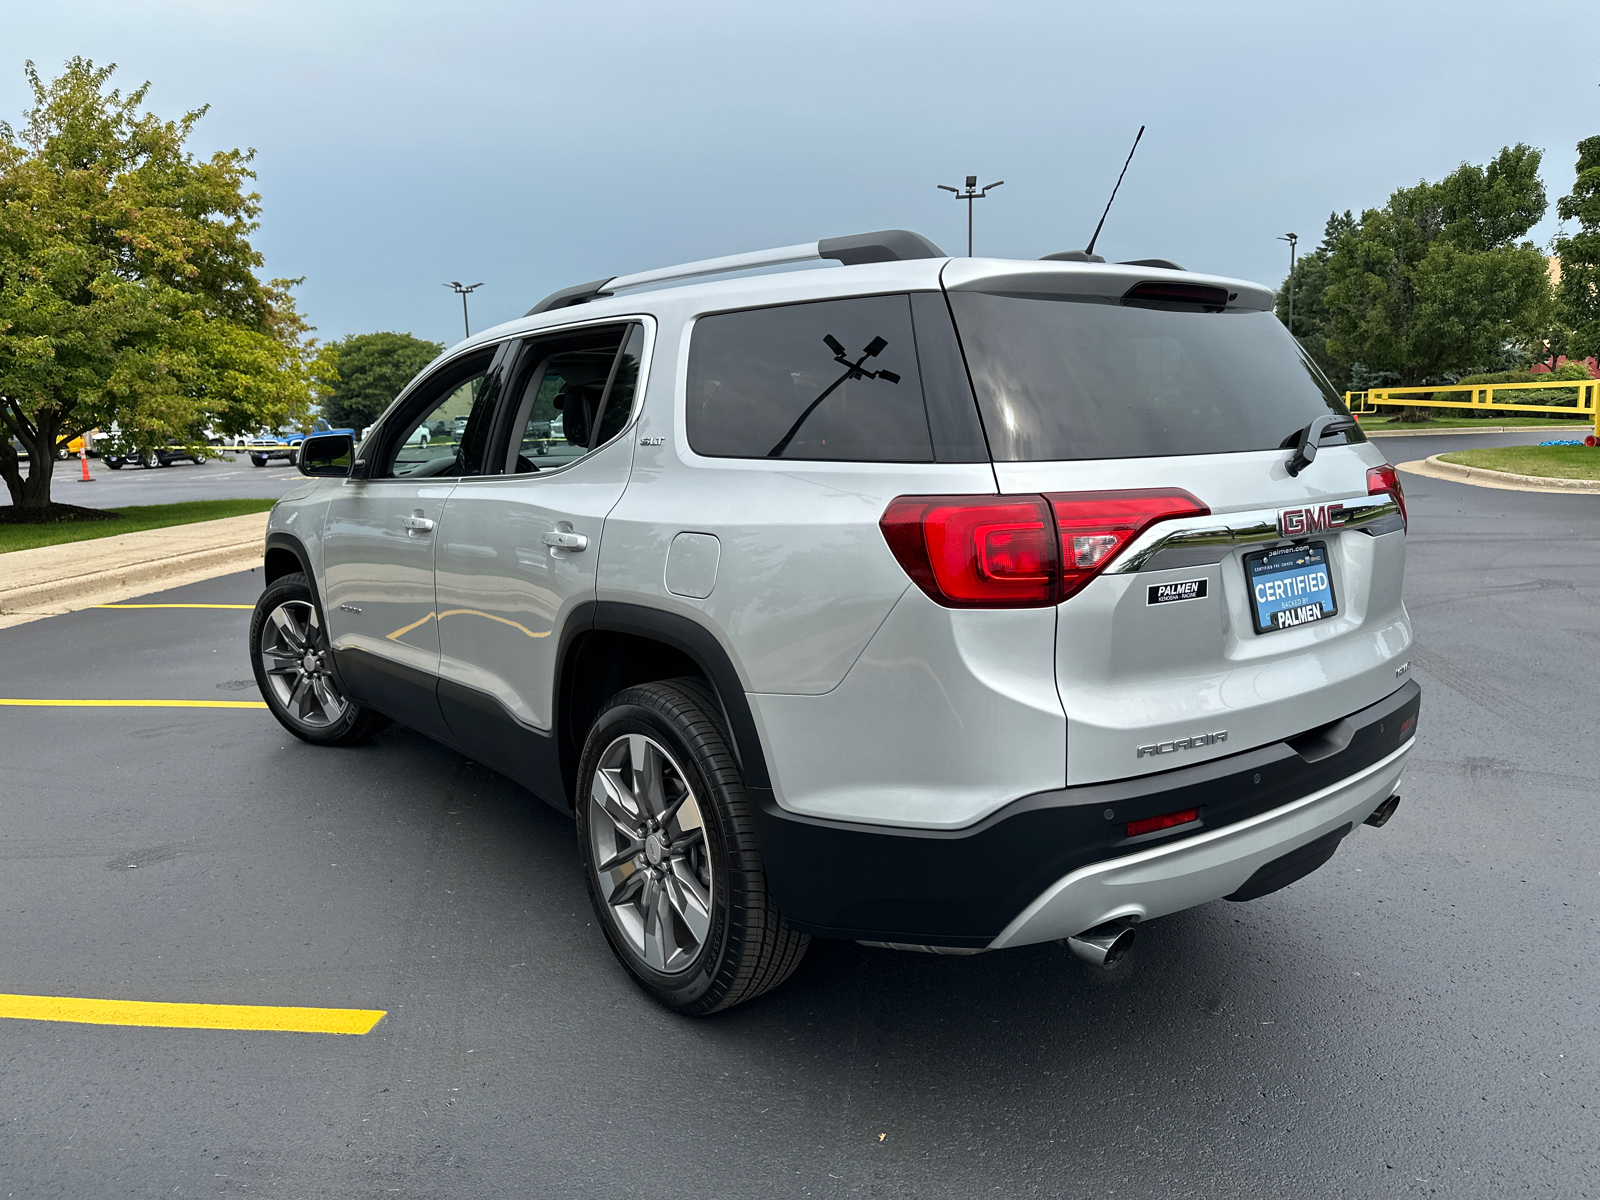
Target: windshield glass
(1068, 378)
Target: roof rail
(886, 245)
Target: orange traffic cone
(83, 457)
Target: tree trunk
(38, 438)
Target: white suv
(948, 604)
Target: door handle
(566, 541)
(421, 524)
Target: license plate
(1289, 587)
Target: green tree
(1311, 318)
(1578, 296)
(1435, 283)
(373, 367)
(128, 286)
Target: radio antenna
(1099, 227)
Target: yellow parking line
(189, 1016)
(244, 606)
(132, 703)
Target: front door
(380, 539)
(517, 549)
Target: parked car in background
(117, 452)
(285, 444)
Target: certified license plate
(1289, 587)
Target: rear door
(519, 544)
(1273, 610)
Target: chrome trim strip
(1200, 541)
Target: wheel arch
(285, 555)
(608, 645)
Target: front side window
(448, 426)
(834, 380)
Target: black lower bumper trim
(1297, 864)
(961, 887)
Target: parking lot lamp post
(973, 192)
(464, 290)
(1293, 239)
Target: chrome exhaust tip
(1380, 815)
(1104, 945)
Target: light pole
(973, 192)
(464, 290)
(1293, 239)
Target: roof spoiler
(886, 245)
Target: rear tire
(660, 799)
(114, 463)
(289, 653)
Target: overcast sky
(531, 146)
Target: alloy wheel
(649, 852)
(294, 655)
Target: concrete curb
(1433, 467)
(58, 579)
(1372, 433)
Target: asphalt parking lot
(217, 479)
(1419, 1017)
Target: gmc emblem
(1296, 522)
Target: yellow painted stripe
(132, 703)
(243, 606)
(189, 1016)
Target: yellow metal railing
(1481, 397)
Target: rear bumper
(1061, 858)
(1208, 866)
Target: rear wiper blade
(1305, 440)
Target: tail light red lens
(1095, 526)
(975, 551)
(1020, 551)
(1386, 479)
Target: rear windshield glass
(833, 380)
(1064, 379)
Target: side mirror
(327, 454)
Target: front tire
(669, 853)
(258, 460)
(293, 668)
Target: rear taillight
(975, 551)
(1095, 526)
(1385, 480)
(1020, 551)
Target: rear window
(832, 380)
(1069, 378)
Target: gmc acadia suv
(945, 604)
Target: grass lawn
(127, 520)
(1379, 424)
(1561, 462)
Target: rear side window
(834, 380)
(1068, 378)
